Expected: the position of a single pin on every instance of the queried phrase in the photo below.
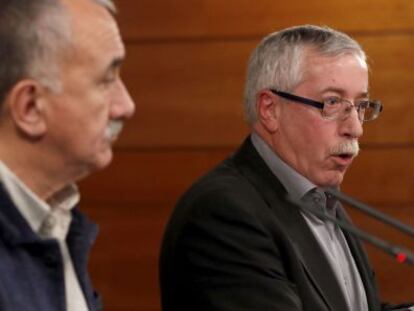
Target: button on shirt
(50, 220)
(328, 235)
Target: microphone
(370, 211)
(402, 255)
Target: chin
(102, 160)
(87, 165)
(331, 179)
(335, 181)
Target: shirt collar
(33, 209)
(297, 186)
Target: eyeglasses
(334, 107)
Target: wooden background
(185, 69)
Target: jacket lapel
(311, 255)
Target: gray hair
(108, 4)
(279, 60)
(33, 35)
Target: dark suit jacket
(31, 269)
(234, 243)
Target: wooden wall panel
(175, 19)
(379, 176)
(382, 176)
(391, 82)
(392, 277)
(134, 197)
(185, 70)
(124, 260)
(191, 94)
(150, 177)
(187, 94)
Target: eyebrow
(115, 64)
(342, 91)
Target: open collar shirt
(328, 235)
(50, 220)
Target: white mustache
(113, 129)
(346, 147)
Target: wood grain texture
(134, 197)
(378, 176)
(185, 69)
(393, 277)
(171, 20)
(124, 260)
(190, 94)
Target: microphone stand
(401, 254)
(370, 211)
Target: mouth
(343, 159)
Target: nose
(351, 125)
(123, 106)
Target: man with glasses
(234, 242)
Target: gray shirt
(328, 235)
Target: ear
(268, 107)
(25, 103)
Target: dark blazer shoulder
(232, 184)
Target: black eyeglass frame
(317, 104)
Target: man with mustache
(63, 104)
(234, 242)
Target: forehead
(347, 72)
(94, 31)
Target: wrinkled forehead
(346, 71)
(93, 28)
(309, 53)
(312, 60)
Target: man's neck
(35, 170)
